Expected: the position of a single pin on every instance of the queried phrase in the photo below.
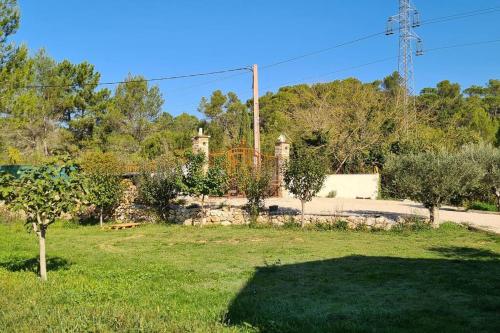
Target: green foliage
(487, 158)
(198, 182)
(338, 225)
(431, 178)
(255, 183)
(479, 205)
(102, 181)
(161, 187)
(7, 186)
(44, 193)
(304, 175)
(332, 194)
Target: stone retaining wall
(192, 215)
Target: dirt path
(326, 206)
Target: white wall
(351, 186)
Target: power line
(387, 59)
(425, 22)
(353, 41)
(143, 80)
(462, 15)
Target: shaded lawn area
(237, 279)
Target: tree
(160, 187)
(432, 178)
(255, 184)
(140, 104)
(197, 182)
(229, 119)
(9, 23)
(102, 181)
(487, 158)
(304, 176)
(45, 193)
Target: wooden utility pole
(256, 118)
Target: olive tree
(200, 183)
(304, 176)
(432, 178)
(160, 187)
(45, 193)
(487, 158)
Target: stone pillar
(200, 145)
(282, 154)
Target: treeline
(52, 110)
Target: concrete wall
(351, 186)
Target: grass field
(240, 279)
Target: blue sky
(162, 38)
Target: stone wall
(226, 216)
(191, 213)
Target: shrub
(159, 188)
(432, 178)
(332, 194)
(479, 205)
(102, 181)
(255, 184)
(487, 158)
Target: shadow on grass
(458, 252)
(373, 294)
(32, 264)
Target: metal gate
(241, 159)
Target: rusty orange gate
(239, 160)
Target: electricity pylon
(407, 19)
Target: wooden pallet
(123, 226)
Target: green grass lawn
(177, 279)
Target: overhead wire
(277, 63)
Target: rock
(225, 223)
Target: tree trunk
(203, 214)
(302, 221)
(43, 262)
(496, 192)
(434, 216)
(100, 217)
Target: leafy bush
(479, 205)
(487, 158)
(412, 223)
(255, 185)
(102, 181)
(160, 188)
(331, 194)
(432, 178)
(337, 225)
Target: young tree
(159, 188)
(304, 176)
(432, 179)
(202, 184)
(43, 194)
(255, 184)
(102, 181)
